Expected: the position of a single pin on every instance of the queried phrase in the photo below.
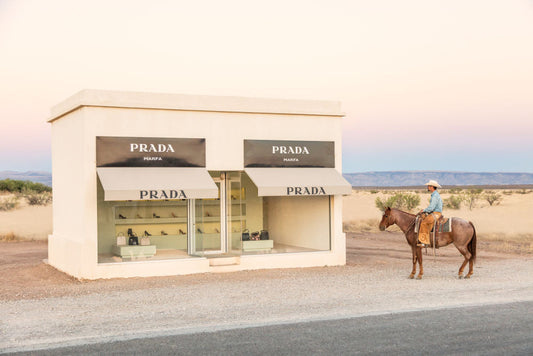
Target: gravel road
(373, 283)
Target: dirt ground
(24, 275)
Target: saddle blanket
(446, 226)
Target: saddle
(442, 224)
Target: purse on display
(133, 239)
(255, 236)
(145, 241)
(246, 235)
(121, 239)
(264, 235)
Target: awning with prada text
(161, 183)
(298, 181)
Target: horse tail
(472, 244)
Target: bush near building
(17, 186)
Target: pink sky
(444, 85)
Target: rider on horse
(433, 211)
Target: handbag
(264, 235)
(145, 241)
(121, 239)
(133, 240)
(255, 236)
(246, 235)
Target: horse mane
(404, 212)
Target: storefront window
(291, 224)
(241, 222)
(133, 230)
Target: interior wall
(299, 221)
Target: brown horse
(463, 236)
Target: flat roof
(183, 102)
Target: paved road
(482, 330)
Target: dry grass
(10, 236)
(367, 225)
(515, 243)
(9, 202)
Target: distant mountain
(367, 179)
(417, 178)
(38, 177)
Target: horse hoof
(467, 277)
(460, 276)
(411, 276)
(419, 277)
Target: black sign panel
(269, 153)
(149, 152)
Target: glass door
(217, 224)
(235, 212)
(206, 226)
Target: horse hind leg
(468, 256)
(470, 267)
(461, 270)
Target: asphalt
(495, 329)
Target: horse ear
(388, 208)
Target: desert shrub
(10, 236)
(17, 186)
(453, 202)
(524, 191)
(507, 192)
(36, 198)
(373, 191)
(471, 197)
(9, 203)
(398, 201)
(492, 198)
(455, 190)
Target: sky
(425, 85)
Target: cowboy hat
(433, 183)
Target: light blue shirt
(435, 203)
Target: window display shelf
(217, 219)
(169, 236)
(150, 221)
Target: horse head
(387, 220)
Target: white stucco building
(165, 184)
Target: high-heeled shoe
(163, 232)
(182, 233)
(217, 230)
(200, 231)
(155, 216)
(173, 215)
(138, 216)
(146, 233)
(120, 216)
(207, 214)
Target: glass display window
(133, 230)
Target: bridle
(411, 225)
(387, 217)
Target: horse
(463, 236)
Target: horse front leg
(413, 272)
(419, 258)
